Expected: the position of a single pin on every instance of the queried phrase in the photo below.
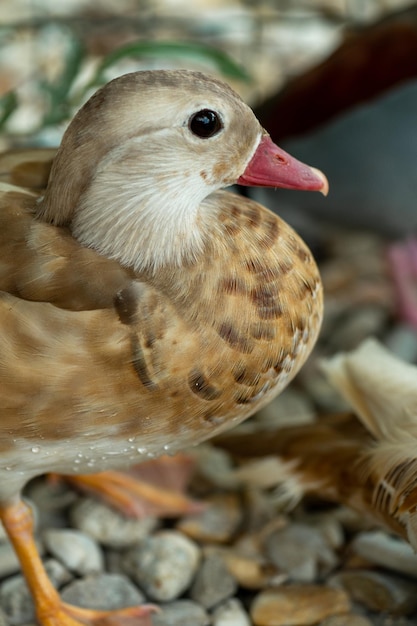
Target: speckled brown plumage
(226, 357)
(142, 310)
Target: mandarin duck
(365, 459)
(142, 309)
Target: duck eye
(205, 123)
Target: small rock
(4, 621)
(359, 323)
(163, 565)
(181, 613)
(379, 591)
(213, 582)
(259, 509)
(78, 552)
(290, 408)
(346, 620)
(217, 523)
(297, 605)
(107, 526)
(331, 529)
(52, 499)
(252, 573)
(323, 394)
(214, 466)
(104, 592)
(402, 341)
(231, 613)
(15, 598)
(299, 550)
(9, 563)
(391, 552)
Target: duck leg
(133, 496)
(16, 517)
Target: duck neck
(144, 221)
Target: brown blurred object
(368, 63)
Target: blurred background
(51, 53)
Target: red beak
(272, 167)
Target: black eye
(205, 123)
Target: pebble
(346, 620)
(181, 613)
(259, 509)
(109, 527)
(300, 550)
(3, 619)
(387, 551)
(379, 591)
(327, 399)
(213, 582)
(15, 598)
(252, 572)
(402, 341)
(163, 565)
(104, 592)
(218, 523)
(297, 605)
(231, 613)
(215, 467)
(358, 324)
(330, 528)
(52, 499)
(78, 552)
(9, 563)
(290, 408)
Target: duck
(143, 308)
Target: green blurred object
(189, 50)
(8, 103)
(58, 91)
(61, 99)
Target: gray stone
(379, 591)
(4, 621)
(213, 582)
(290, 408)
(15, 598)
(231, 613)
(349, 619)
(181, 613)
(103, 591)
(78, 552)
(217, 523)
(391, 552)
(163, 565)
(300, 550)
(215, 466)
(298, 605)
(109, 527)
(9, 563)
